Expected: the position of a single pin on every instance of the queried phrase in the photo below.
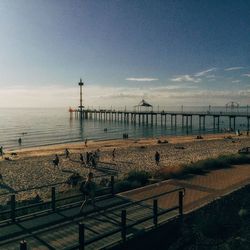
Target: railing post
(123, 225)
(53, 199)
(23, 245)
(112, 182)
(181, 203)
(155, 212)
(13, 207)
(81, 236)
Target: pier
(155, 117)
(143, 114)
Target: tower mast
(81, 106)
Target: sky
(169, 52)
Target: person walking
(56, 161)
(86, 142)
(157, 158)
(88, 189)
(113, 154)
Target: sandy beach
(33, 167)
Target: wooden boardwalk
(60, 229)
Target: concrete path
(199, 189)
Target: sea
(47, 126)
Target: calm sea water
(39, 127)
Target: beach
(33, 167)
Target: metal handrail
(117, 230)
(15, 209)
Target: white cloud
(105, 97)
(235, 81)
(204, 72)
(247, 75)
(194, 78)
(210, 76)
(185, 78)
(233, 68)
(144, 79)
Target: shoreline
(193, 132)
(78, 145)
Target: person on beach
(81, 158)
(66, 153)
(56, 161)
(20, 141)
(93, 161)
(88, 189)
(157, 158)
(1, 151)
(97, 155)
(113, 154)
(86, 142)
(87, 157)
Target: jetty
(143, 113)
(155, 117)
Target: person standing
(98, 154)
(157, 158)
(20, 141)
(86, 142)
(66, 153)
(81, 158)
(88, 189)
(1, 151)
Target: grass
(203, 166)
(133, 180)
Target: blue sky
(169, 52)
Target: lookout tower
(81, 106)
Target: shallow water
(39, 127)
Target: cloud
(144, 79)
(117, 97)
(233, 68)
(235, 81)
(210, 76)
(194, 78)
(204, 72)
(247, 75)
(185, 78)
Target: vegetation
(134, 179)
(203, 166)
